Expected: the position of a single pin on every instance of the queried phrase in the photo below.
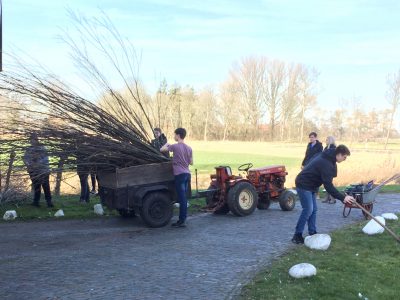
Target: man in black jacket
(159, 141)
(319, 171)
(314, 147)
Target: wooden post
(60, 167)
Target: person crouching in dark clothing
(36, 160)
(319, 171)
(159, 141)
(83, 170)
(330, 144)
(313, 147)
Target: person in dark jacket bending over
(314, 147)
(319, 171)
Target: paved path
(120, 259)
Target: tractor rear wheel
(157, 209)
(287, 200)
(263, 202)
(242, 199)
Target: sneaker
(312, 233)
(35, 204)
(298, 239)
(179, 224)
(93, 192)
(50, 204)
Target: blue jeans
(309, 213)
(181, 186)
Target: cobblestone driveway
(121, 259)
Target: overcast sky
(353, 44)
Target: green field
(355, 263)
(362, 165)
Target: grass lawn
(355, 263)
(68, 203)
(75, 210)
(362, 166)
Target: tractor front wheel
(263, 202)
(242, 199)
(287, 200)
(157, 209)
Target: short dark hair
(181, 132)
(342, 149)
(157, 129)
(314, 134)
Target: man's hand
(165, 148)
(349, 200)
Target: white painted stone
(373, 227)
(98, 209)
(59, 213)
(302, 270)
(390, 216)
(318, 241)
(10, 215)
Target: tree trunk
(303, 108)
(225, 131)
(389, 129)
(205, 127)
(9, 170)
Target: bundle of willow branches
(113, 135)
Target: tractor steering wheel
(245, 167)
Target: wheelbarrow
(365, 195)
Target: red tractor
(242, 194)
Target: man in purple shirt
(182, 158)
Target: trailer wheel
(242, 199)
(157, 209)
(126, 213)
(263, 202)
(287, 200)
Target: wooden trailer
(147, 190)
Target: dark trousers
(309, 213)
(85, 193)
(181, 186)
(38, 182)
(93, 179)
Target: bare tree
(289, 102)
(393, 96)
(249, 79)
(273, 85)
(307, 94)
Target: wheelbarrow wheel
(369, 208)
